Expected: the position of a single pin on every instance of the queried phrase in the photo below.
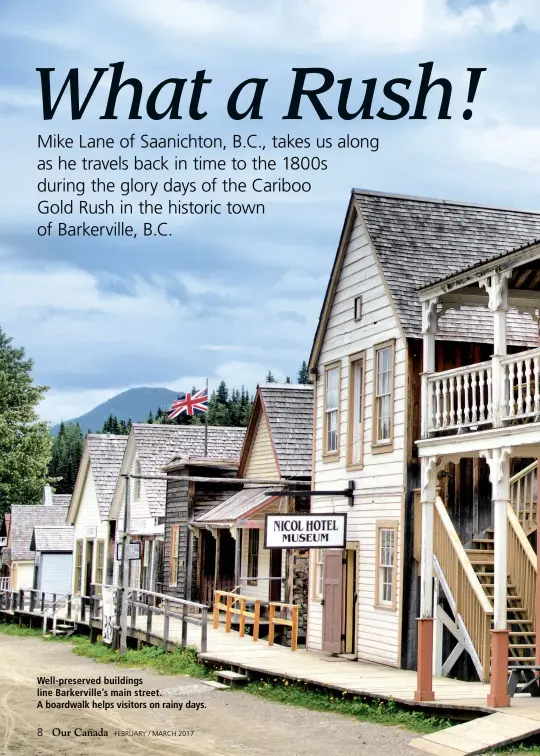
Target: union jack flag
(190, 404)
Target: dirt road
(223, 723)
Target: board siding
(261, 463)
(87, 516)
(55, 573)
(380, 483)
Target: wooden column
(496, 286)
(424, 691)
(537, 603)
(499, 473)
(429, 329)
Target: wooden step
(522, 645)
(520, 622)
(233, 678)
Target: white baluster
(458, 391)
(445, 402)
(438, 418)
(453, 384)
(519, 408)
(466, 383)
(509, 377)
(536, 367)
(481, 393)
(528, 371)
(489, 408)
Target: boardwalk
(453, 698)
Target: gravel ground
(216, 722)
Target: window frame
(318, 567)
(174, 540)
(353, 360)
(388, 525)
(358, 307)
(100, 562)
(253, 556)
(386, 445)
(79, 554)
(334, 453)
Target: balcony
(497, 393)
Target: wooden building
(89, 510)
(374, 343)
(149, 448)
(53, 561)
(276, 457)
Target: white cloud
(504, 144)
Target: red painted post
(424, 691)
(498, 696)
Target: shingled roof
(289, 409)
(52, 538)
(156, 445)
(23, 521)
(106, 453)
(421, 240)
(61, 499)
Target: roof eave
(508, 261)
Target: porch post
(424, 686)
(499, 473)
(496, 286)
(429, 329)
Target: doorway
(274, 591)
(88, 570)
(350, 602)
(340, 599)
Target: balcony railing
(495, 393)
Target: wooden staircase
(522, 641)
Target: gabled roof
(51, 538)
(418, 240)
(156, 445)
(24, 518)
(289, 410)
(106, 453)
(239, 505)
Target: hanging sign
(134, 551)
(305, 531)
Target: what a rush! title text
(313, 90)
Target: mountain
(135, 403)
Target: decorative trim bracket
(496, 286)
(429, 315)
(498, 469)
(429, 470)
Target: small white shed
(53, 546)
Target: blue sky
(230, 298)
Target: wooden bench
(530, 678)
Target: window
(173, 561)
(78, 566)
(253, 556)
(100, 555)
(358, 308)
(331, 409)
(318, 587)
(355, 412)
(137, 485)
(386, 565)
(383, 395)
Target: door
(332, 601)
(274, 592)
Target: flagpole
(206, 423)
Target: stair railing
(524, 496)
(521, 563)
(66, 601)
(471, 603)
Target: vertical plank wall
(380, 484)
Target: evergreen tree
(303, 374)
(270, 378)
(25, 441)
(66, 456)
(288, 379)
(150, 418)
